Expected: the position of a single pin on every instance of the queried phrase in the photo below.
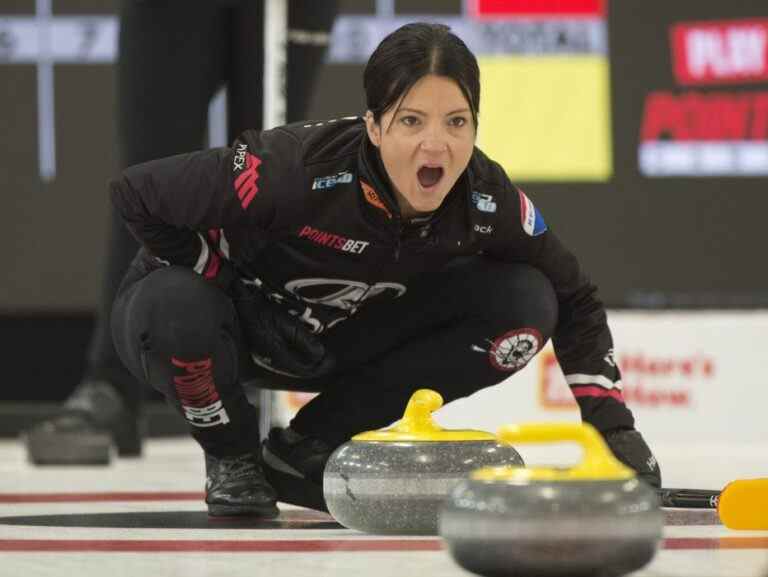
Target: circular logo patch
(512, 351)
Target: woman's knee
(513, 296)
(173, 313)
(175, 301)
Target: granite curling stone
(394, 481)
(595, 519)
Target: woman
(360, 258)
(168, 69)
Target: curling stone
(394, 481)
(595, 519)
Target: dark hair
(410, 53)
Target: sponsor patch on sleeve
(246, 166)
(530, 218)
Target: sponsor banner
(713, 116)
(720, 52)
(739, 158)
(686, 376)
(555, 49)
(561, 120)
(647, 381)
(354, 38)
(713, 123)
(539, 8)
(723, 133)
(65, 39)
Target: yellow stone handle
(417, 424)
(598, 460)
(418, 413)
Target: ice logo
(322, 182)
(483, 202)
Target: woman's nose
(434, 142)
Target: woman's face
(425, 140)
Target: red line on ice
(99, 497)
(311, 545)
(285, 546)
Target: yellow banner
(547, 117)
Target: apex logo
(239, 162)
(245, 183)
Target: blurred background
(639, 129)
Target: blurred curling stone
(394, 481)
(595, 519)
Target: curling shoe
(235, 486)
(83, 431)
(294, 465)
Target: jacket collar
(379, 193)
(377, 188)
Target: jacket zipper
(399, 239)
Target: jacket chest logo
(334, 241)
(323, 182)
(486, 206)
(372, 197)
(483, 202)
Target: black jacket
(307, 209)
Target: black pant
(459, 330)
(173, 56)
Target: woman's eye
(409, 120)
(458, 121)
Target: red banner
(720, 52)
(715, 116)
(539, 8)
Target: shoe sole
(68, 448)
(263, 511)
(295, 490)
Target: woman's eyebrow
(417, 111)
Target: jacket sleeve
(582, 340)
(174, 206)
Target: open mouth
(429, 176)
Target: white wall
(696, 382)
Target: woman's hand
(278, 340)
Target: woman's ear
(373, 128)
